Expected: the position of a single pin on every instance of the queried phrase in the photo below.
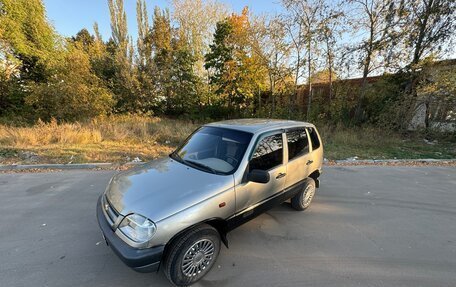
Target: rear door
(299, 158)
(316, 149)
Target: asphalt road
(368, 226)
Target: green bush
(72, 93)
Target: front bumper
(141, 260)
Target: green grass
(372, 143)
(122, 138)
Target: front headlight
(137, 228)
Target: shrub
(72, 93)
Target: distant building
(435, 110)
(320, 91)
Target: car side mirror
(259, 176)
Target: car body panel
(317, 156)
(162, 188)
(250, 193)
(209, 209)
(298, 167)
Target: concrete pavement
(368, 226)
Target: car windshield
(215, 150)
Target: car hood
(162, 188)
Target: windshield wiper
(174, 155)
(201, 165)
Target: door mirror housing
(259, 176)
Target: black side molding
(265, 205)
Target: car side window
(298, 144)
(268, 154)
(313, 138)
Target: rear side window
(314, 138)
(298, 144)
(268, 154)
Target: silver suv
(175, 212)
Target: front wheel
(303, 199)
(192, 255)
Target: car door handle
(309, 162)
(280, 175)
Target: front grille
(111, 214)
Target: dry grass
(51, 133)
(132, 129)
(123, 138)
(115, 138)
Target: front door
(268, 155)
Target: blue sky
(70, 16)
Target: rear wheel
(303, 199)
(192, 255)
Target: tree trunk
(271, 94)
(295, 93)
(309, 102)
(359, 105)
(259, 100)
(272, 87)
(419, 42)
(411, 89)
(330, 68)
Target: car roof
(258, 125)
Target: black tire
(176, 270)
(300, 201)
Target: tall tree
(186, 84)
(196, 21)
(231, 63)
(161, 37)
(144, 42)
(268, 40)
(119, 27)
(28, 44)
(9, 80)
(295, 30)
(84, 38)
(101, 55)
(307, 13)
(378, 20)
(329, 32)
(220, 54)
(430, 28)
(96, 30)
(430, 33)
(125, 82)
(24, 28)
(144, 61)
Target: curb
(108, 165)
(391, 161)
(103, 165)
